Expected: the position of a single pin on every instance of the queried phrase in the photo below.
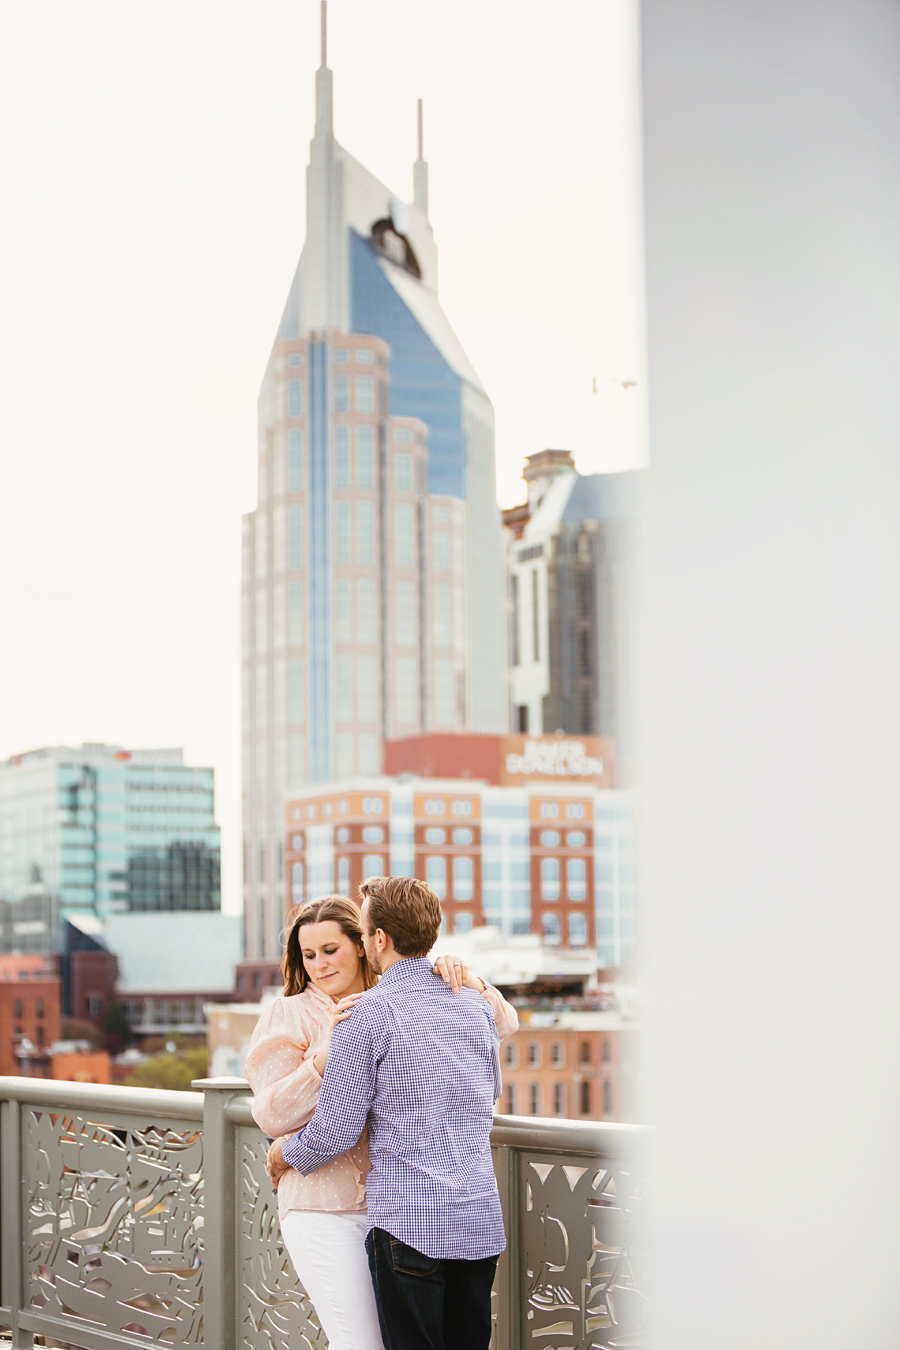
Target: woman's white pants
(328, 1252)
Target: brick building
(526, 835)
(573, 1065)
(29, 1014)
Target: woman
(323, 1216)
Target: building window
(435, 836)
(550, 838)
(522, 715)
(436, 875)
(607, 1098)
(365, 457)
(403, 534)
(18, 1008)
(576, 839)
(364, 356)
(463, 879)
(462, 923)
(365, 533)
(434, 807)
(343, 835)
(373, 834)
(512, 1099)
(261, 863)
(372, 806)
(559, 1099)
(342, 456)
(577, 930)
(534, 1099)
(535, 616)
(607, 1052)
(550, 924)
(405, 614)
(534, 1054)
(550, 810)
(462, 836)
(295, 398)
(366, 610)
(342, 533)
(442, 616)
(341, 394)
(297, 882)
(295, 535)
(557, 1053)
(341, 356)
(511, 1055)
(94, 1005)
(549, 878)
(40, 1037)
(295, 359)
(575, 810)
(585, 1097)
(461, 807)
(576, 878)
(343, 876)
(295, 460)
(373, 866)
(584, 1054)
(441, 551)
(365, 394)
(403, 473)
(39, 1007)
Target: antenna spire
(324, 23)
(420, 171)
(324, 121)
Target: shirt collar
(410, 970)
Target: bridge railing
(136, 1217)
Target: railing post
(11, 1184)
(509, 1275)
(220, 1237)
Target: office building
(373, 565)
(569, 550)
(101, 830)
(526, 835)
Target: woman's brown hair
(341, 911)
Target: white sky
(153, 172)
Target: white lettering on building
(555, 759)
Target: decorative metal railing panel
(277, 1315)
(142, 1218)
(113, 1223)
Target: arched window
(534, 1053)
(373, 865)
(577, 930)
(436, 876)
(557, 1053)
(463, 879)
(511, 1054)
(550, 924)
(607, 1052)
(549, 878)
(559, 1099)
(585, 1097)
(512, 1099)
(534, 1099)
(585, 1052)
(607, 1098)
(576, 878)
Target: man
(418, 1062)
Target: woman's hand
(275, 1164)
(342, 1011)
(454, 971)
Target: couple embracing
(377, 1074)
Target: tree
(115, 1028)
(175, 1072)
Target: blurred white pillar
(772, 668)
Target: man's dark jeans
(429, 1304)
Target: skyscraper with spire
(373, 565)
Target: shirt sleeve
(505, 1016)
(348, 1090)
(285, 1084)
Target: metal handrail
(204, 1242)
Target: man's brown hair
(406, 909)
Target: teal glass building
(101, 830)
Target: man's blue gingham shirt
(420, 1064)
